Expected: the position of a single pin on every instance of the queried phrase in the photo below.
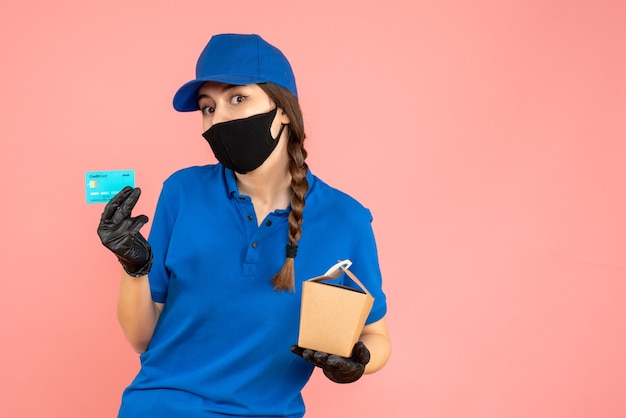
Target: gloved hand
(120, 233)
(336, 368)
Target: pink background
(487, 137)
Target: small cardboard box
(332, 316)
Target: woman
(230, 245)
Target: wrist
(135, 271)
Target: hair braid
(285, 278)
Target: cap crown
(236, 59)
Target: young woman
(217, 318)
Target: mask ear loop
(282, 127)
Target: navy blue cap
(236, 59)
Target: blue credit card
(101, 186)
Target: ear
(284, 119)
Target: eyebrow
(225, 88)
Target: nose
(221, 114)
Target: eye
(207, 110)
(237, 98)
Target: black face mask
(243, 144)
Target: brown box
(332, 316)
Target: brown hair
(284, 99)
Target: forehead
(212, 88)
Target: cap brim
(186, 98)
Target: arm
(119, 232)
(375, 336)
(136, 312)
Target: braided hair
(284, 99)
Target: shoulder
(189, 182)
(329, 199)
(195, 173)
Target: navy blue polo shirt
(221, 346)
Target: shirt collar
(233, 190)
(231, 183)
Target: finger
(297, 350)
(308, 354)
(321, 357)
(337, 362)
(127, 205)
(115, 202)
(361, 353)
(137, 223)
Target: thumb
(361, 353)
(138, 223)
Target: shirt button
(242, 198)
(255, 244)
(268, 223)
(249, 217)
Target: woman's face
(220, 102)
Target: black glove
(120, 233)
(336, 368)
